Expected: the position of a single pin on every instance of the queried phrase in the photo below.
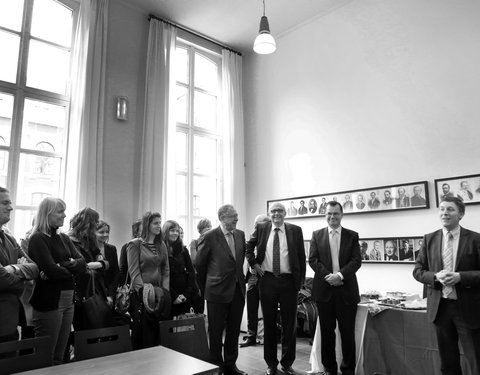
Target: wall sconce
(122, 108)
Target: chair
(187, 336)
(92, 343)
(24, 355)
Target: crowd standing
(45, 284)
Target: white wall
(374, 93)
(126, 61)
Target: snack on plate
(419, 304)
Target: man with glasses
(219, 265)
(335, 257)
(15, 268)
(280, 262)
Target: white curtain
(234, 165)
(84, 179)
(157, 174)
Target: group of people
(448, 263)
(165, 282)
(66, 269)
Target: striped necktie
(447, 257)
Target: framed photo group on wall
(384, 198)
(390, 249)
(465, 187)
(385, 249)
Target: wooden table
(157, 360)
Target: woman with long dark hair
(183, 289)
(109, 253)
(58, 262)
(83, 228)
(148, 266)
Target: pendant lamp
(264, 42)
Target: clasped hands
(448, 278)
(334, 279)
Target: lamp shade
(264, 42)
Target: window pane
(205, 111)
(3, 167)
(181, 65)
(204, 196)
(181, 109)
(6, 110)
(205, 155)
(38, 177)
(43, 126)
(23, 222)
(48, 67)
(181, 194)
(11, 12)
(205, 73)
(52, 21)
(8, 62)
(181, 151)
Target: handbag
(122, 297)
(95, 309)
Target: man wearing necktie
(15, 268)
(449, 265)
(219, 264)
(280, 263)
(335, 257)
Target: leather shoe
(234, 371)
(288, 370)
(271, 370)
(249, 341)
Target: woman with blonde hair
(59, 263)
(147, 260)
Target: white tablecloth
(316, 354)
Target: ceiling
(235, 23)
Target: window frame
(21, 92)
(189, 128)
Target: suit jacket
(296, 249)
(429, 262)
(349, 259)
(12, 285)
(217, 270)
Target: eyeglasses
(277, 211)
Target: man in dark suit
(280, 261)
(449, 265)
(15, 269)
(335, 257)
(219, 265)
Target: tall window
(199, 170)
(36, 39)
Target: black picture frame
(405, 249)
(466, 187)
(382, 198)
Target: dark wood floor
(250, 359)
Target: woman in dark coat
(183, 289)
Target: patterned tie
(231, 243)
(447, 257)
(334, 251)
(276, 253)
